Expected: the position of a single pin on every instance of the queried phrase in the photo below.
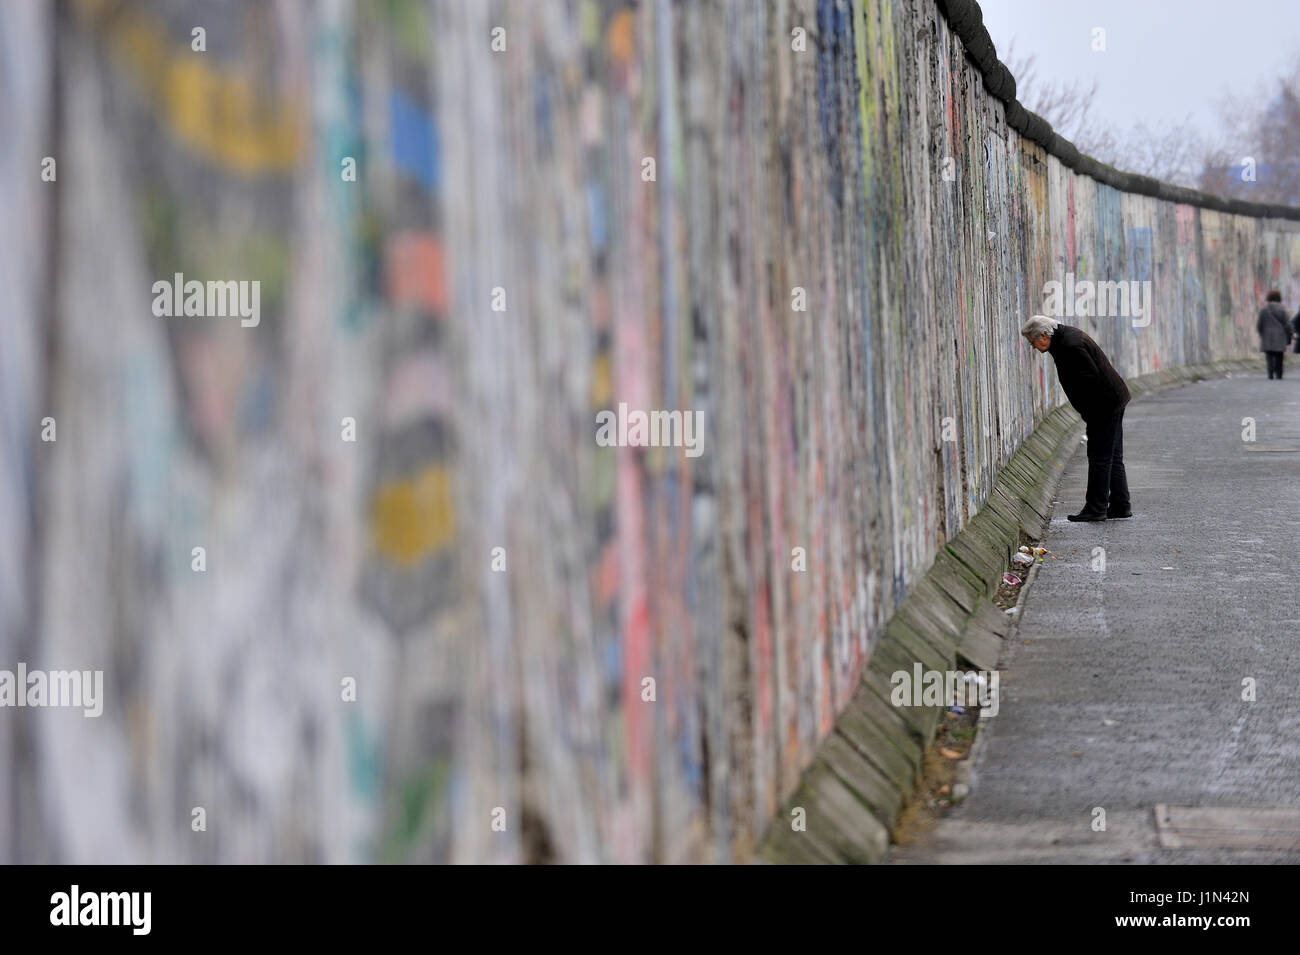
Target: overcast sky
(1164, 59)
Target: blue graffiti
(416, 150)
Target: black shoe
(1118, 515)
(1085, 515)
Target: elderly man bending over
(1099, 394)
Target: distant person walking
(1274, 333)
(1295, 328)
(1098, 393)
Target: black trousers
(1274, 363)
(1107, 482)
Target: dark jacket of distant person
(1274, 328)
(1090, 381)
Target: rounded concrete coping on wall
(966, 20)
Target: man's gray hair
(1039, 325)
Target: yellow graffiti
(414, 517)
(602, 384)
(218, 113)
(621, 37)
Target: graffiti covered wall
(475, 228)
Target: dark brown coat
(1089, 380)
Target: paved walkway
(1122, 687)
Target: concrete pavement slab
(1126, 684)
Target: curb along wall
(503, 268)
